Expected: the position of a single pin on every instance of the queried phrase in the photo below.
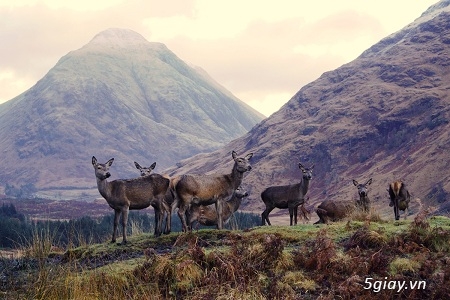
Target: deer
(207, 215)
(123, 195)
(330, 210)
(400, 198)
(169, 204)
(364, 202)
(208, 189)
(286, 196)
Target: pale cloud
(262, 51)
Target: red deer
(363, 203)
(125, 194)
(207, 215)
(287, 196)
(209, 189)
(333, 211)
(169, 204)
(400, 198)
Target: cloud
(262, 51)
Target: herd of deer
(194, 195)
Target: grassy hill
(370, 258)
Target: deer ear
(94, 161)
(234, 154)
(355, 182)
(138, 166)
(153, 166)
(109, 162)
(248, 156)
(301, 167)
(369, 182)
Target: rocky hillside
(118, 96)
(384, 116)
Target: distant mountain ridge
(118, 96)
(385, 115)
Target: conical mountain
(384, 116)
(118, 96)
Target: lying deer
(125, 194)
(169, 204)
(287, 196)
(209, 189)
(330, 210)
(207, 215)
(400, 198)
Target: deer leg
(182, 214)
(124, 225)
(115, 224)
(265, 216)
(219, 210)
(295, 215)
(291, 215)
(168, 217)
(396, 210)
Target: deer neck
(234, 203)
(104, 188)
(363, 198)
(236, 177)
(304, 186)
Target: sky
(261, 51)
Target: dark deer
(330, 210)
(169, 204)
(400, 198)
(125, 194)
(209, 189)
(287, 196)
(207, 215)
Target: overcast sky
(261, 51)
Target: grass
(277, 262)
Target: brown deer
(169, 204)
(125, 194)
(364, 202)
(330, 210)
(287, 196)
(209, 189)
(400, 198)
(207, 215)
(145, 170)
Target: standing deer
(169, 204)
(209, 189)
(287, 196)
(207, 215)
(400, 198)
(330, 210)
(125, 194)
(364, 201)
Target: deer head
(307, 172)
(145, 171)
(101, 170)
(242, 164)
(362, 188)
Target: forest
(17, 230)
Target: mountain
(384, 116)
(118, 96)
